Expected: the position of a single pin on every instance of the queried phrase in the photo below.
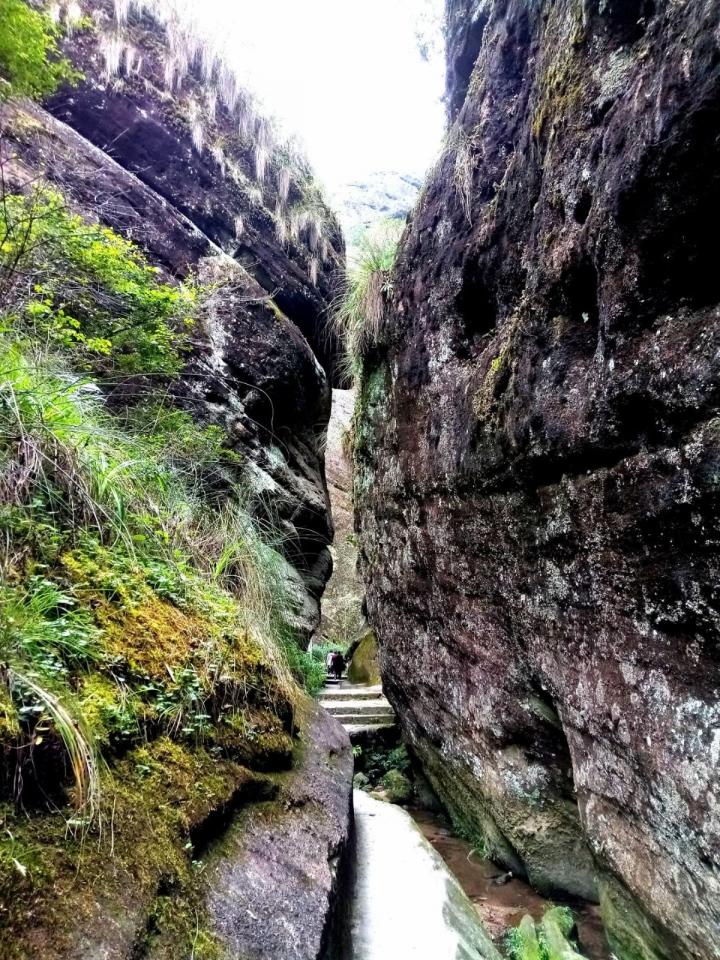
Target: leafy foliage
(307, 669)
(30, 63)
(548, 940)
(320, 651)
(87, 289)
(378, 761)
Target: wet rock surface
(272, 880)
(538, 454)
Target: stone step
(358, 706)
(360, 709)
(351, 693)
(355, 728)
(364, 718)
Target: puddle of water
(503, 906)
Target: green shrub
(397, 787)
(85, 289)
(320, 651)
(30, 63)
(378, 761)
(309, 672)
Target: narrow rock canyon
(306, 517)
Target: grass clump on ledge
(360, 311)
(117, 563)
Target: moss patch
(364, 666)
(159, 802)
(629, 930)
(563, 83)
(152, 637)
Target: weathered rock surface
(342, 605)
(121, 150)
(273, 878)
(271, 855)
(253, 373)
(539, 450)
(187, 141)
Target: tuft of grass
(68, 725)
(42, 623)
(464, 169)
(42, 634)
(360, 311)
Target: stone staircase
(360, 709)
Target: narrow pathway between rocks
(418, 888)
(405, 903)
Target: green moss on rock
(159, 800)
(629, 931)
(364, 666)
(398, 787)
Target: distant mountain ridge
(382, 195)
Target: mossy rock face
(91, 888)
(360, 781)
(183, 710)
(280, 859)
(364, 666)
(631, 934)
(398, 787)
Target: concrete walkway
(406, 905)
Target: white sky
(345, 75)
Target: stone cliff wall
(342, 615)
(167, 109)
(160, 143)
(537, 459)
(172, 156)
